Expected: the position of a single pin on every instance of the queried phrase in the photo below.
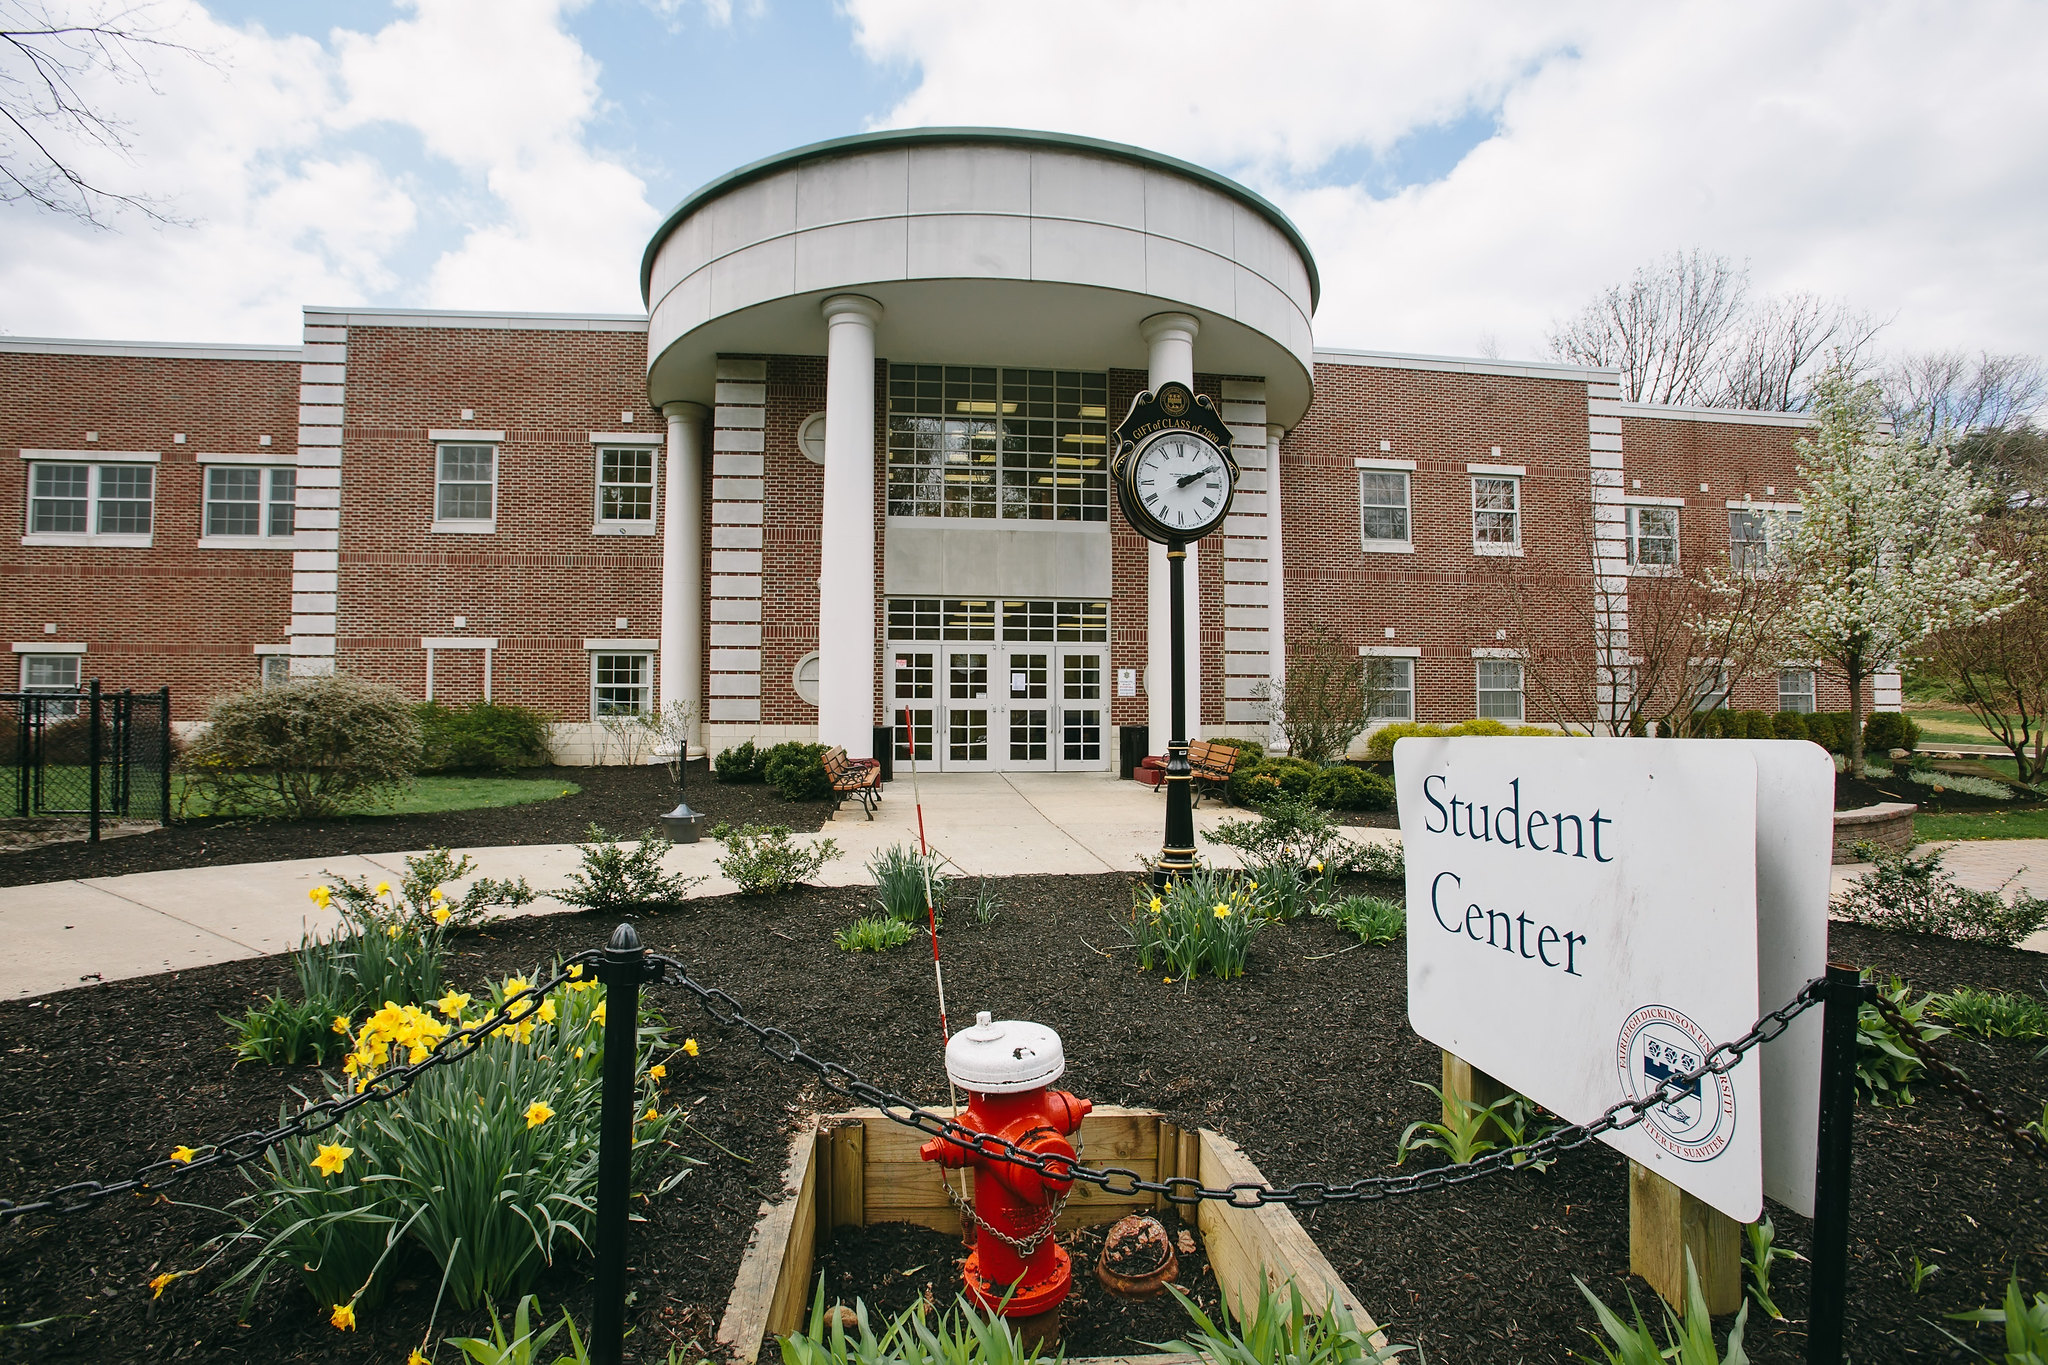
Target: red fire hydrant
(1005, 1067)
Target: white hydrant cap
(1001, 1057)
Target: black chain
(1945, 1073)
(244, 1148)
(1121, 1181)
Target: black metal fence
(101, 755)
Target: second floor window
(91, 499)
(246, 501)
(625, 485)
(1653, 536)
(466, 483)
(978, 441)
(1756, 536)
(1496, 513)
(1383, 507)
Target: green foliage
(1788, 725)
(1993, 1014)
(963, 1335)
(1764, 1252)
(1372, 919)
(797, 770)
(1200, 924)
(420, 899)
(285, 1032)
(900, 872)
(763, 859)
(1886, 1068)
(1247, 749)
(1381, 744)
(1381, 862)
(874, 934)
(988, 904)
(304, 749)
(1919, 896)
(1690, 1342)
(2026, 1325)
(1256, 781)
(1294, 853)
(1830, 730)
(525, 1344)
(1961, 782)
(483, 735)
(740, 763)
(1343, 787)
(1888, 730)
(613, 875)
(1271, 1332)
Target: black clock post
(1177, 854)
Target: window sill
(463, 528)
(1513, 551)
(247, 542)
(1390, 547)
(624, 528)
(74, 538)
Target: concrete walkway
(60, 934)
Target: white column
(682, 565)
(1171, 337)
(846, 576)
(1276, 582)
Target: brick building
(853, 461)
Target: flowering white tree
(1886, 551)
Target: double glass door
(991, 707)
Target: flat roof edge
(911, 137)
(152, 350)
(1740, 416)
(474, 318)
(1519, 369)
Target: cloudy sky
(1465, 172)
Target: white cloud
(1891, 153)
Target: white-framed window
(1389, 689)
(79, 503)
(1383, 509)
(1758, 535)
(1795, 690)
(621, 685)
(988, 442)
(1496, 513)
(276, 669)
(249, 502)
(1500, 689)
(1653, 537)
(465, 487)
(1707, 685)
(625, 488)
(52, 673)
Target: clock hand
(1187, 479)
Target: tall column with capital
(846, 574)
(1276, 581)
(1171, 339)
(682, 566)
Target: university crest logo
(1655, 1044)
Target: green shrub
(874, 934)
(900, 873)
(1347, 788)
(1201, 924)
(1961, 782)
(797, 770)
(763, 859)
(1371, 918)
(420, 899)
(1294, 851)
(1380, 746)
(304, 749)
(483, 735)
(1247, 749)
(1381, 862)
(1830, 730)
(1757, 725)
(740, 763)
(526, 1342)
(1788, 725)
(1889, 730)
(1257, 781)
(285, 1032)
(1919, 896)
(1993, 1014)
(613, 876)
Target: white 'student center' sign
(1582, 925)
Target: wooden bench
(1210, 767)
(856, 777)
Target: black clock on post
(1174, 479)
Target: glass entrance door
(1082, 711)
(913, 694)
(965, 738)
(1030, 722)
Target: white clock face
(1183, 481)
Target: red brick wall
(172, 614)
(542, 583)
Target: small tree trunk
(1855, 675)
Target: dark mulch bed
(1306, 1061)
(1854, 792)
(622, 800)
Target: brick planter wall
(1888, 825)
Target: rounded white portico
(974, 294)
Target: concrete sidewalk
(60, 934)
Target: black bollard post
(624, 967)
(1824, 1314)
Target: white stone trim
(1518, 369)
(628, 438)
(149, 350)
(618, 646)
(265, 651)
(456, 436)
(1741, 416)
(1479, 653)
(47, 647)
(455, 318)
(94, 456)
(1642, 500)
(1511, 471)
(1379, 462)
(1745, 505)
(1391, 651)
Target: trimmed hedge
(1344, 787)
(483, 735)
(1883, 731)
(1381, 744)
(1257, 781)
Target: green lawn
(445, 792)
(1948, 724)
(2014, 824)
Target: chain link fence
(85, 752)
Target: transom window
(621, 684)
(1060, 622)
(977, 441)
(243, 500)
(1383, 507)
(1389, 689)
(466, 483)
(1795, 690)
(625, 484)
(976, 618)
(1496, 513)
(1653, 536)
(1500, 689)
(91, 499)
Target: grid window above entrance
(977, 441)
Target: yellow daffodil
(320, 895)
(576, 971)
(1157, 905)
(383, 888)
(391, 931)
(597, 1015)
(182, 1154)
(579, 1054)
(340, 1025)
(452, 1004)
(656, 1072)
(538, 1113)
(514, 985)
(1317, 864)
(343, 1318)
(690, 1046)
(162, 1282)
(1169, 981)
(1222, 911)
(441, 914)
(1253, 886)
(332, 1156)
(651, 1115)
(436, 896)
(416, 1358)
